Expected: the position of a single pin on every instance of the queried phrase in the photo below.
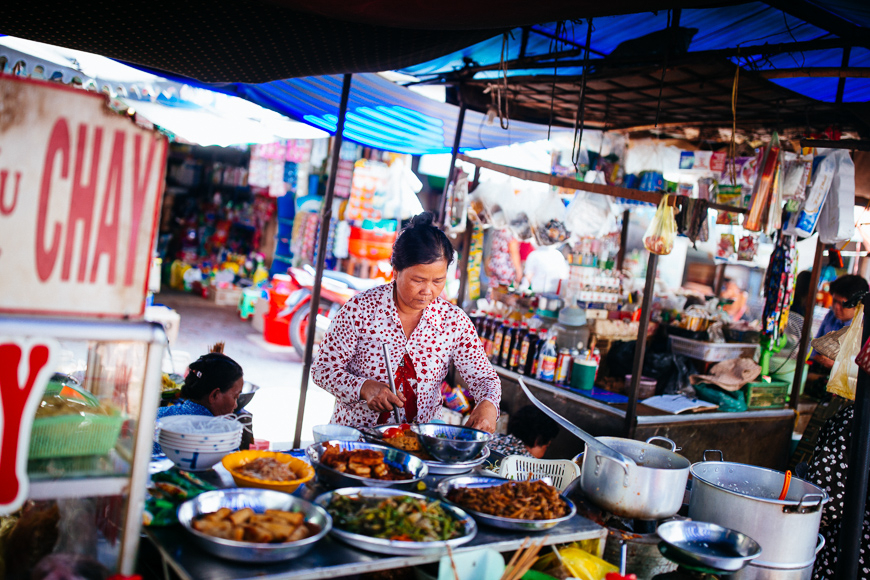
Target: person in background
(732, 292)
(212, 387)
(530, 433)
(545, 268)
(842, 290)
(503, 263)
(801, 290)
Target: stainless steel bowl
(258, 500)
(248, 392)
(450, 443)
(440, 467)
(499, 522)
(395, 547)
(709, 545)
(399, 459)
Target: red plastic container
(276, 330)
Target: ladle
(593, 445)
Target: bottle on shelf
(547, 360)
(507, 346)
(527, 353)
(497, 340)
(517, 347)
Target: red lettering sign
(19, 402)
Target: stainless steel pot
(746, 498)
(651, 489)
(628, 478)
(765, 571)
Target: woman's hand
(379, 397)
(483, 417)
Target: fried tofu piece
(240, 517)
(292, 518)
(257, 534)
(300, 533)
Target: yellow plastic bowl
(234, 461)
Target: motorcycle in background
(336, 289)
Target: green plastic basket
(764, 395)
(74, 435)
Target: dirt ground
(277, 370)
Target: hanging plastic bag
(548, 221)
(725, 248)
(457, 203)
(802, 223)
(660, 234)
(836, 222)
(844, 373)
(760, 201)
(590, 215)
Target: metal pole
(325, 216)
(807, 332)
(456, 138)
(623, 240)
(640, 348)
(858, 473)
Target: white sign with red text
(25, 368)
(80, 187)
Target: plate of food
(393, 522)
(512, 505)
(267, 470)
(254, 525)
(354, 463)
(403, 437)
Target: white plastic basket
(560, 471)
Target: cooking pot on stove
(746, 498)
(628, 478)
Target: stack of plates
(196, 443)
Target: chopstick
(523, 560)
(391, 380)
(452, 563)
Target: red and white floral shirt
(351, 353)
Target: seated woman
(530, 433)
(212, 387)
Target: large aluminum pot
(768, 571)
(746, 498)
(650, 489)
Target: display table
(331, 558)
(737, 435)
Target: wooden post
(858, 473)
(623, 240)
(326, 216)
(457, 137)
(807, 332)
(640, 348)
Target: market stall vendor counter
(760, 438)
(330, 558)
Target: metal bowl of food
(469, 484)
(342, 474)
(413, 536)
(435, 467)
(709, 545)
(248, 392)
(451, 443)
(193, 512)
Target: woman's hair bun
(427, 218)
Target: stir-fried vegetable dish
(402, 518)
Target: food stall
(81, 370)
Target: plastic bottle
(517, 347)
(497, 341)
(547, 360)
(527, 353)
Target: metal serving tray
(445, 468)
(394, 457)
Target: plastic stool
(248, 301)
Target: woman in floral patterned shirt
(423, 333)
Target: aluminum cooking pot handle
(624, 467)
(666, 440)
(821, 544)
(721, 455)
(800, 508)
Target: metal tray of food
(398, 547)
(441, 467)
(258, 500)
(399, 459)
(496, 521)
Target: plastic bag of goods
(662, 230)
(836, 222)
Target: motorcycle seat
(358, 284)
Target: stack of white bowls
(196, 443)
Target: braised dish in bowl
(267, 470)
(352, 463)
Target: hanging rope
(734, 119)
(503, 114)
(581, 111)
(669, 42)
